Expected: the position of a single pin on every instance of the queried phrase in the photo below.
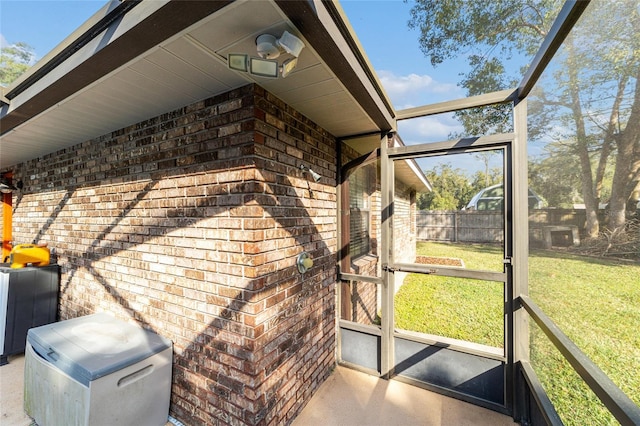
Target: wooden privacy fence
(460, 226)
(488, 226)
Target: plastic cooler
(97, 370)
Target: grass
(595, 302)
(452, 310)
(452, 302)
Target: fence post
(455, 227)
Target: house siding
(190, 223)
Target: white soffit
(186, 67)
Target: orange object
(7, 213)
(7, 218)
(29, 254)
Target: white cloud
(3, 42)
(410, 90)
(428, 129)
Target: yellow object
(24, 254)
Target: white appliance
(97, 370)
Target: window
(360, 183)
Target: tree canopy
(453, 188)
(14, 61)
(587, 102)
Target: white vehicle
(492, 198)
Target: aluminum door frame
(389, 333)
(517, 333)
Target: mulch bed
(444, 261)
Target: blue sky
(44, 23)
(381, 26)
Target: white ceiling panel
(188, 49)
(237, 22)
(302, 94)
(188, 66)
(183, 74)
(164, 79)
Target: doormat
(444, 261)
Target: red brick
(197, 237)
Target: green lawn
(595, 302)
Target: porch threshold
(349, 397)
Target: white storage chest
(97, 370)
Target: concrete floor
(11, 388)
(351, 398)
(346, 398)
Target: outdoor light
(6, 187)
(270, 48)
(267, 46)
(238, 62)
(288, 66)
(263, 68)
(290, 43)
(316, 177)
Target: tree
(485, 179)
(14, 61)
(593, 90)
(594, 72)
(487, 175)
(451, 189)
(556, 176)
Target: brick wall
(404, 223)
(404, 229)
(190, 223)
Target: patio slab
(11, 389)
(349, 397)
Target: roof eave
(325, 25)
(40, 90)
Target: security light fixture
(288, 66)
(238, 62)
(269, 47)
(316, 176)
(263, 67)
(6, 187)
(290, 43)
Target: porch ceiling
(162, 55)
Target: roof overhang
(406, 171)
(134, 60)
